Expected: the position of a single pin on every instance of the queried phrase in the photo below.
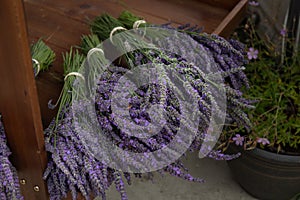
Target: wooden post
(19, 101)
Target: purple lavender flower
(238, 139)
(252, 53)
(283, 32)
(253, 3)
(9, 184)
(263, 141)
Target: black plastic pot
(266, 175)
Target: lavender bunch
(231, 72)
(192, 73)
(105, 86)
(9, 185)
(72, 62)
(119, 137)
(42, 56)
(142, 98)
(72, 167)
(228, 55)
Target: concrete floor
(218, 186)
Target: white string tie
(137, 23)
(74, 74)
(38, 66)
(114, 30)
(93, 50)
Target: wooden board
(19, 101)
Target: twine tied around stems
(38, 66)
(137, 23)
(114, 30)
(74, 74)
(52, 106)
(93, 50)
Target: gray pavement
(218, 186)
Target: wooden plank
(177, 11)
(232, 19)
(58, 28)
(19, 102)
(78, 10)
(226, 4)
(194, 12)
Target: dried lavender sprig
(80, 171)
(120, 185)
(9, 185)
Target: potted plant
(269, 166)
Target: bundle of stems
(72, 167)
(88, 42)
(42, 56)
(229, 55)
(72, 62)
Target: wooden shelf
(24, 101)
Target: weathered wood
(232, 19)
(208, 15)
(18, 100)
(225, 4)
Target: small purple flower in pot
(252, 53)
(253, 3)
(283, 32)
(238, 139)
(263, 141)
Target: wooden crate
(24, 100)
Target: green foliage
(276, 85)
(72, 63)
(43, 56)
(88, 42)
